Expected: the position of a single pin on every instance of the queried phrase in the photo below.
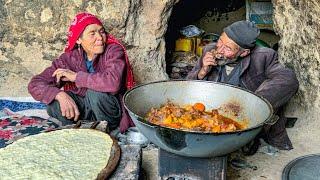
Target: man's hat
(244, 33)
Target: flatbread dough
(62, 154)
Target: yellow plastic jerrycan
(184, 44)
(199, 50)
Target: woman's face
(93, 40)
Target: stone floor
(129, 165)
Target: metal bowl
(139, 100)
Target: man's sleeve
(193, 74)
(281, 83)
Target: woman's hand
(64, 75)
(68, 107)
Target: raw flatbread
(62, 154)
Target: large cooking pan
(139, 100)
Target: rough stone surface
(129, 164)
(32, 34)
(298, 25)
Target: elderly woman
(88, 79)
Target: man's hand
(64, 75)
(68, 107)
(207, 62)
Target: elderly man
(87, 81)
(235, 60)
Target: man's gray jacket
(261, 73)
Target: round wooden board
(112, 162)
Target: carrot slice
(199, 106)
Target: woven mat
(14, 126)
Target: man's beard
(224, 61)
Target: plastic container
(184, 44)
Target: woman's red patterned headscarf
(80, 22)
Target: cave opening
(207, 18)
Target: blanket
(14, 124)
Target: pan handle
(272, 120)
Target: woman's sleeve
(43, 87)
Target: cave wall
(33, 33)
(297, 22)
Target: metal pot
(139, 100)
